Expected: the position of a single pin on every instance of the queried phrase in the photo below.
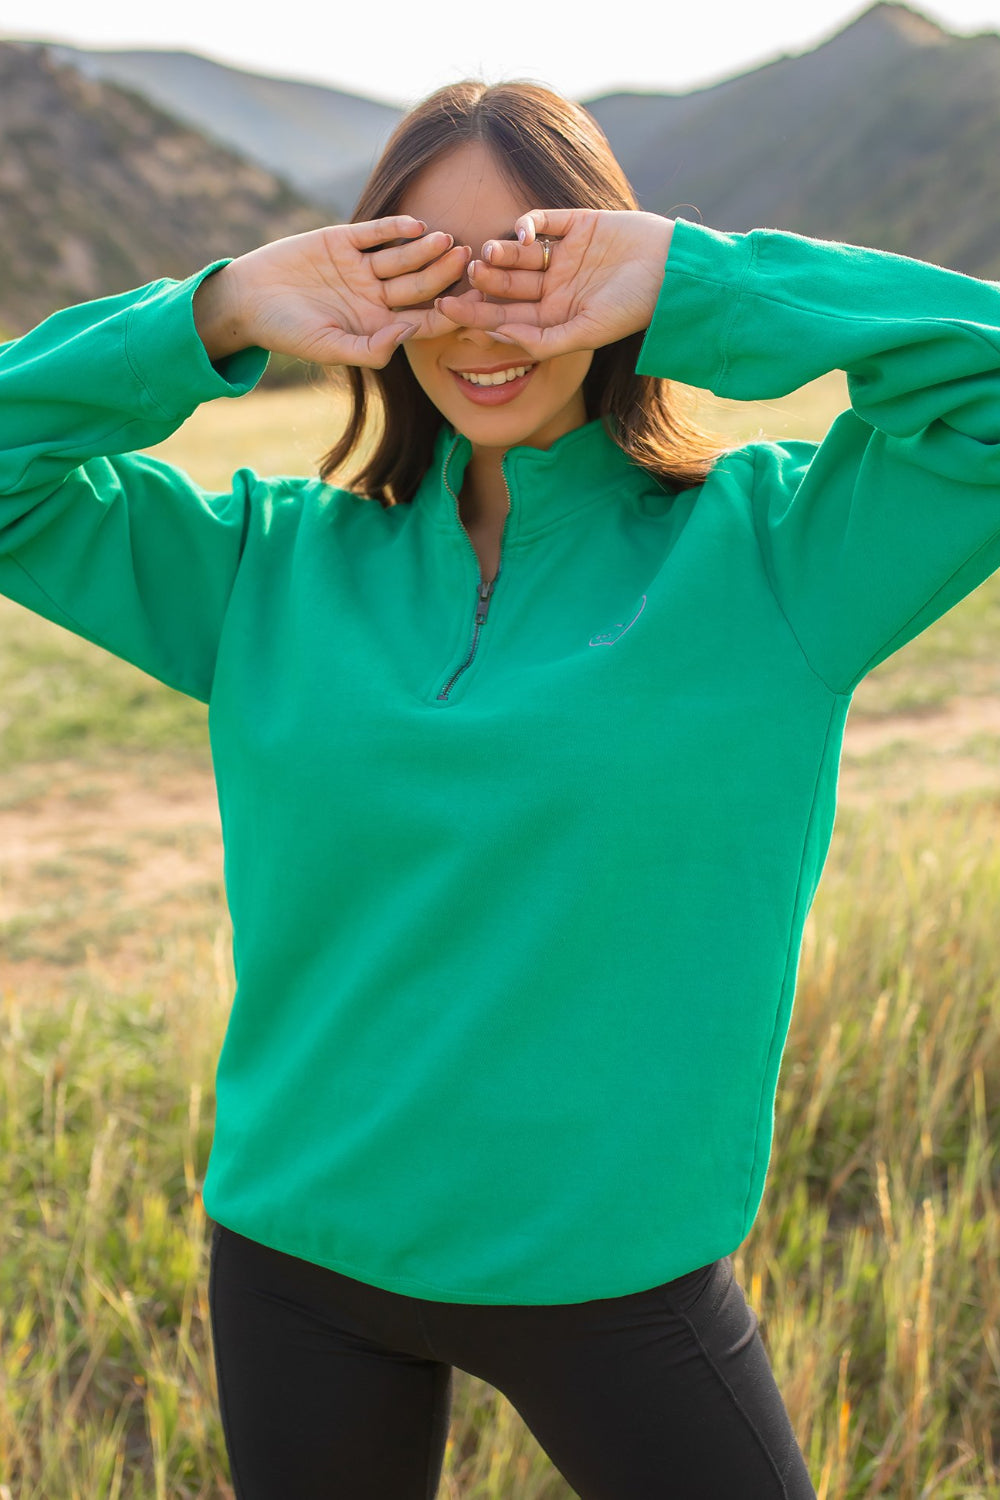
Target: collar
(546, 485)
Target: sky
(391, 50)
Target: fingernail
(410, 328)
(471, 270)
(488, 250)
(502, 337)
(521, 234)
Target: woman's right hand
(332, 296)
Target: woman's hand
(332, 295)
(604, 276)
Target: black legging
(330, 1387)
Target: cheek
(571, 371)
(425, 365)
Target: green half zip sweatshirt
(517, 901)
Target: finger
(373, 232)
(338, 347)
(547, 343)
(378, 348)
(472, 313)
(494, 281)
(509, 253)
(398, 259)
(432, 325)
(554, 221)
(426, 284)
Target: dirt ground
(101, 868)
(955, 748)
(105, 866)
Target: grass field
(875, 1262)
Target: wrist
(217, 317)
(653, 234)
(661, 232)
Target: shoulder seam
(837, 692)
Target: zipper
(485, 593)
(484, 590)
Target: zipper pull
(485, 591)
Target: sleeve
(870, 535)
(120, 548)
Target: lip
(493, 395)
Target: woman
(526, 773)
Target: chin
(493, 428)
(513, 425)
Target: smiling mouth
(494, 388)
(496, 374)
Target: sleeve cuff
(687, 339)
(170, 360)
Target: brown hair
(556, 153)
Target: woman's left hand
(604, 275)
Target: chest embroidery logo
(608, 637)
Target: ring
(546, 254)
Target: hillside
(884, 135)
(302, 131)
(101, 191)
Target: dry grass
(274, 432)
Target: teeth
(500, 377)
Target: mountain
(311, 135)
(883, 135)
(101, 191)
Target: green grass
(874, 1264)
(62, 697)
